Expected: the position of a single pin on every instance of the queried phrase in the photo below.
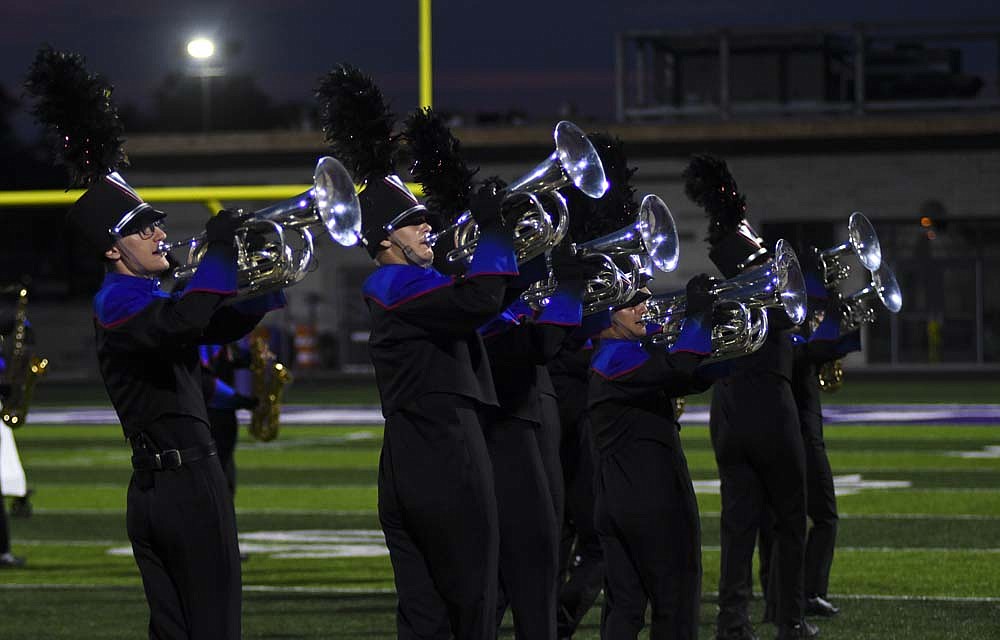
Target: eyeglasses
(148, 231)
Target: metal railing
(831, 69)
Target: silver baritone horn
(652, 235)
(536, 228)
(862, 241)
(859, 308)
(739, 318)
(287, 253)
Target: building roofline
(842, 128)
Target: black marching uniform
(646, 513)
(437, 504)
(758, 447)
(754, 426)
(518, 437)
(824, 344)
(581, 560)
(821, 505)
(180, 513)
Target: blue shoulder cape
(394, 284)
(122, 297)
(614, 358)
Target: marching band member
(646, 512)
(437, 504)
(821, 341)
(180, 515)
(523, 434)
(180, 512)
(755, 429)
(7, 559)
(219, 364)
(581, 559)
(519, 344)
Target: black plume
(590, 218)
(357, 123)
(76, 110)
(708, 183)
(437, 163)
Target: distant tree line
(235, 103)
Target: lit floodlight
(201, 48)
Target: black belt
(172, 458)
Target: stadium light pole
(426, 95)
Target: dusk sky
(499, 55)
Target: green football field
(918, 554)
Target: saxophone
(268, 379)
(831, 376)
(679, 404)
(24, 368)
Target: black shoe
(800, 631)
(10, 561)
(820, 606)
(744, 632)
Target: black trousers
(647, 520)
(821, 507)
(548, 435)
(529, 534)
(4, 526)
(437, 507)
(581, 559)
(182, 526)
(225, 430)
(761, 458)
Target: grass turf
(361, 390)
(936, 538)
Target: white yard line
(868, 596)
(893, 516)
(976, 550)
(248, 540)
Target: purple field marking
(931, 414)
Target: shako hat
(110, 209)
(733, 243)
(386, 204)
